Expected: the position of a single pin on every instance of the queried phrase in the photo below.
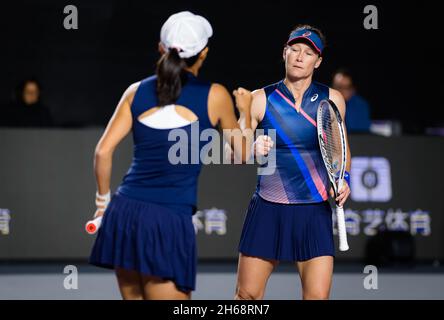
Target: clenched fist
(263, 145)
(243, 99)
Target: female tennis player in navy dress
(147, 234)
(289, 218)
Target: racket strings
(332, 141)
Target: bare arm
(257, 110)
(118, 127)
(263, 143)
(221, 111)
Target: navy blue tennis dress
(289, 217)
(147, 226)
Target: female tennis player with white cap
(289, 218)
(146, 233)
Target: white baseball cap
(186, 32)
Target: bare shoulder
(258, 104)
(258, 95)
(220, 103)
(133, 87)
(218, 91)
(219, 97)
(338, 100)
(130, 92)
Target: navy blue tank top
(299, 173)
(151, 176)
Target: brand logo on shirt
(313, 99)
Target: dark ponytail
(171, 76)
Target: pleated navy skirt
(150, 238)
(287, 232)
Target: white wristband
(103, 200)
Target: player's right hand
(332, 192)
(102, 202)
(99, 213)
(263, 145)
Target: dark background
(84, 72)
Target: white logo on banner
(370, 179)
(418, 221)
(215, 220)
(5, 218)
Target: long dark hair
(171, 76)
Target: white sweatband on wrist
(103, 200)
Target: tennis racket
(92, 226)
(331, 135)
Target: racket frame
(336, 183)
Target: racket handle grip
(92, 226)
(343, 244)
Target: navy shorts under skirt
(287, 232)
(152, 239)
